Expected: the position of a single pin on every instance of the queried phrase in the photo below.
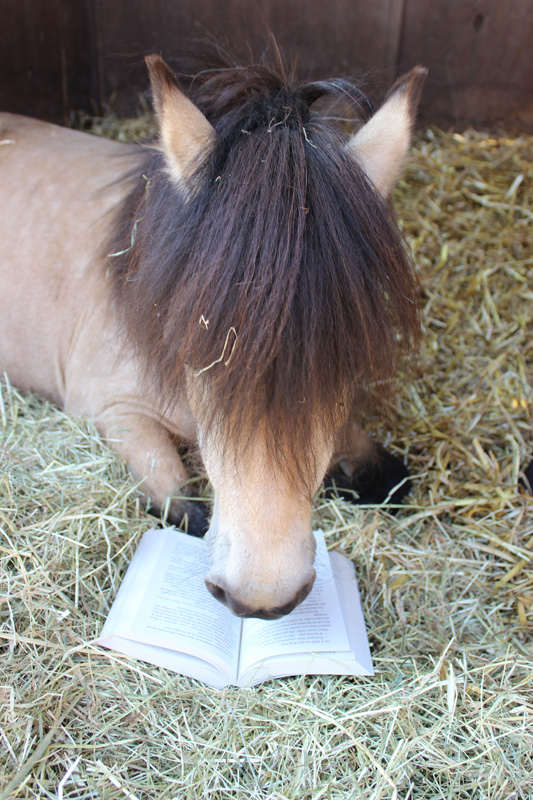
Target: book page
(355, 661)
(197, 668)
(343, 570)
(317, 625)
(165, 603)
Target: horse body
(69, 330)
(51, 218)
(58, 329)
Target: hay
(447, 583)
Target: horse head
(273, 284)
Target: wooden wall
(58, 55)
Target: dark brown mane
(283, 241)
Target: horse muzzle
(249, 610)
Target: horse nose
(241, 609)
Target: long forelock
(280, 277)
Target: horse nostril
(217, 591)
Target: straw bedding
(447, 582)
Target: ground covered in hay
(447, 583)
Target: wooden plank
(480, 60)
(45, 57)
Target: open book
(163, 614)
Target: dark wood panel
(338, 37)
(45, 56)
(61, 54)
(479, 56)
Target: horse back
(58, 191)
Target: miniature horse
(240, 285)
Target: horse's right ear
(381, 146)
(184, 131)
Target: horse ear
(184, 131)
(382, 145)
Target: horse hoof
(192, 517)
(384, 478)
(189, 515)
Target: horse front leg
(362, 471)
(150, 452)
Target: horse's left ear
(382, 145)
(184, 131)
